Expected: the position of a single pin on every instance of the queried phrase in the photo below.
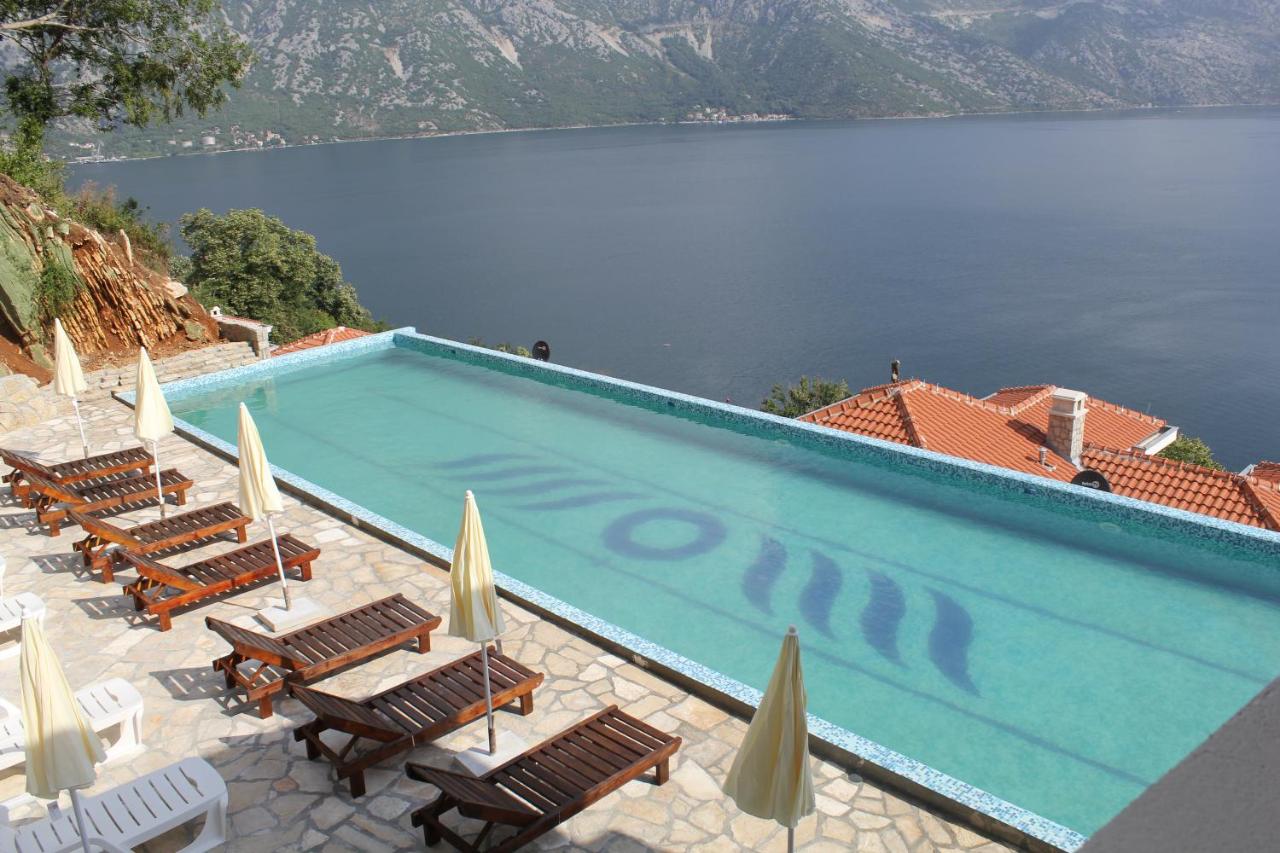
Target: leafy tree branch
(804, 397)
(117, 61)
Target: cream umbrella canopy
(474, 613)
(68, 378)
(259, 497)
(61, 748)
(770, 777)
(151, 418)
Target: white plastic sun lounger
(11, 612)
(106, 705)
(136, 812)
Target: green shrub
(513, 349)
(57, 288)
(23, 160)
(1186, 448)
(804, 397)
(100, 209)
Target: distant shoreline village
(270, 140)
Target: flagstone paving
(280, 801)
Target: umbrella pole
(84, 442)
(791, 839)
(81, 823)
(155, 457)
(284, 584)
(488, 698)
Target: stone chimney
(1066, 424)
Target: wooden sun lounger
(133, 460)
(161, 589)
(170, 534)
(548, 784)
(318, 649)
(411, 714)
(98, 496)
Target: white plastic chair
(12, 611)
(134, 813)
(109, 704)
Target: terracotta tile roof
(320, 339)
(1268, 495)
(1269, 471)
(1014, 396)
(1008, 429)
(1183, 485)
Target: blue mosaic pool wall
(987, 812)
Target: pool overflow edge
(957, 800)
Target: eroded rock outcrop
(119, 304)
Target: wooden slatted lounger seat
(177, 532)
(98, 496)
(320, 648)
(411, 714)
(548, 784)
(131, 461)
(161, 589)
(131, 814)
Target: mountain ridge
(335, 69)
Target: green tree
(253, 265)
(1186, 448)
(115, 61)
(803, 397)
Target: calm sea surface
(1132, 256)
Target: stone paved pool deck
(280, 801)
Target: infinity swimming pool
(1058, 652)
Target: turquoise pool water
(1059, 663)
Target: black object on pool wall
(542, 351)
(1091, 479)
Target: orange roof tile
(1268, 495)
(1006, 429)
(1269, 471)
(1014, 396)
(1183, 485)
(1009, 427)
(320, 339)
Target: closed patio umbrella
(151, 418)
(68, 378)
(259, 497)
(474, 613)
(61, 749)
(770, 777)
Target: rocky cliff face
(118, 304)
